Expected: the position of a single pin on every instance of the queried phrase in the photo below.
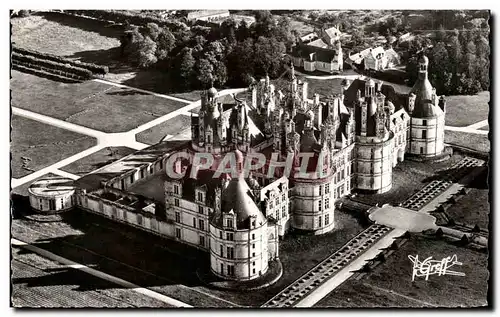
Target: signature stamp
(429, 266)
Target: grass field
(97, 160)
(64, 35)
(157, 133)
(462, 111)
(39, 282)
(390, 284)
(474, 141)
(191, 95)
(91, 104)
(408, 178)
(141, 258)
(36, 145)
(474, 207)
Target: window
(277, 202)
(52, 204)
(253, 223)
(253, 254)
(424, 122)
(142, 173)
(178, 233)
(319, 221)
(320, 189)
(230, 223)
(161, 164)
(253, 263)
(200, 197)
(283, 197)
(327, 219)
(283, 212)
(327, 203)
(200, 210)
(151, 169)
(132, 178)
(123, 183)
(230, 252)
(229, 236)
(221, 268)
(201, 224)
(221, 251)
(220, 234)
(202, 241)
(424, 134)
(253, 271)
(327, 188)
(320, 204)
(177, 217)
(176, 189)
(230, 270)
(421, 150)
(176, 202)
(194, 222)
(253, 236)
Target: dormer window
(230, 223)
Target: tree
(268, 56)
(165, 43)
(146, 53)
(204, 72)
(183, 67)
(220, 74)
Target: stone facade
(346, 142)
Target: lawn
(35, 145)
(193, 95)
(97, 160)
(462, 111)
(474, 141)
(474, 207)
(39, 282)
(172, 126)
(390, 284)
(408, 177)
(65, 35)
(91, 104)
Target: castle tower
(427, 115)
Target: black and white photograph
(229, 158)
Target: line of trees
(199, 56)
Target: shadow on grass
(112, 248)
(100, 27)
(479, 181)
(126, 92)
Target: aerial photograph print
(250, 158)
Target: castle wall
(373, 164)
(249, 256)
(427, 136)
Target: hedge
(49, 65)
(94, 68)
